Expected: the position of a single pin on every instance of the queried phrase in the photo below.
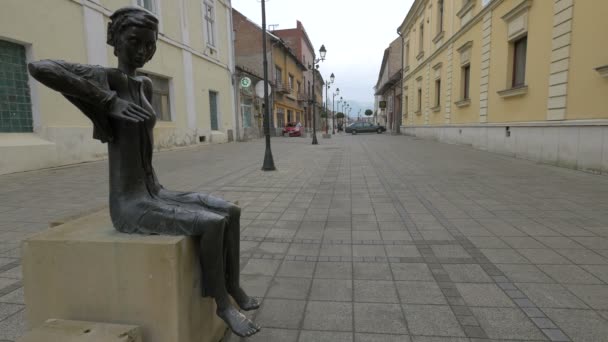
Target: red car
(292, 130)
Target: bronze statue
(118, 103)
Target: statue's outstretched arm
(68, 79)
(58, 76)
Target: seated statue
(117, 101)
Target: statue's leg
(213, 272)
(232, 242)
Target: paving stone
(381, 338)
(261, 267)
(504, 256)
(434, 320)
(419, 292)
(439, 339)
(404, 251)
(450, 251)
(524, 273)
(543, 256)
(569, 274)
(379, 318)
(332, 289)
(580, 325)
(255, 285)
(334, 270)
(333, 316)
(13, 327)
(522, 242)
(300, 269)
(467, 273)
(325, 336)
(583, 256)
(273, 335)
(17, 297)
(375, 291)
(289, 288)
(551, 296)
(600, 271)
(372, 271)
(413, 271)
(559, 242)
(281, 313)
(483, 295)
(368, 251)
(507, 323)
(596, 296)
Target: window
(437, 92)
(150, 5)
(421, 42)
(299, 86)
(246, 110)
(407, 55)
(440, 16)
(520, 48)
(278, 76)
(466, 82)
(419, 100)
(15, 101)
(209, 18)
(291, 82)
(213, 110)
(406, 105)
(161, 101)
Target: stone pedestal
(86, 270)
(56, 330)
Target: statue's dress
(138, 203)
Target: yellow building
(525, 78)
(191, 71)
(289, 86)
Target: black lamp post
(314, 67)
(268, 159)
(333, 112)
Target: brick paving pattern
(373, 238)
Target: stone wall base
(577, 146)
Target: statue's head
(133, 32)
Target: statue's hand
(128, 111)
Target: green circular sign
(245, 82)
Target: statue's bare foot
(243, 300)
(238, 323)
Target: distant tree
(340, 115)
(368, 112)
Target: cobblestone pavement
(373, 238)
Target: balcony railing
(282, 88)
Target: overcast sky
(355, 34)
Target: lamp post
(327, 85)
(333, 112)
(268, 159)
(314, 67)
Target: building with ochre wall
(191, 73)
(526, 78)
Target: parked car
(292, 130)
(362, 127)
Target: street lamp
(268, 159)
(333, 112)
(314, 67)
